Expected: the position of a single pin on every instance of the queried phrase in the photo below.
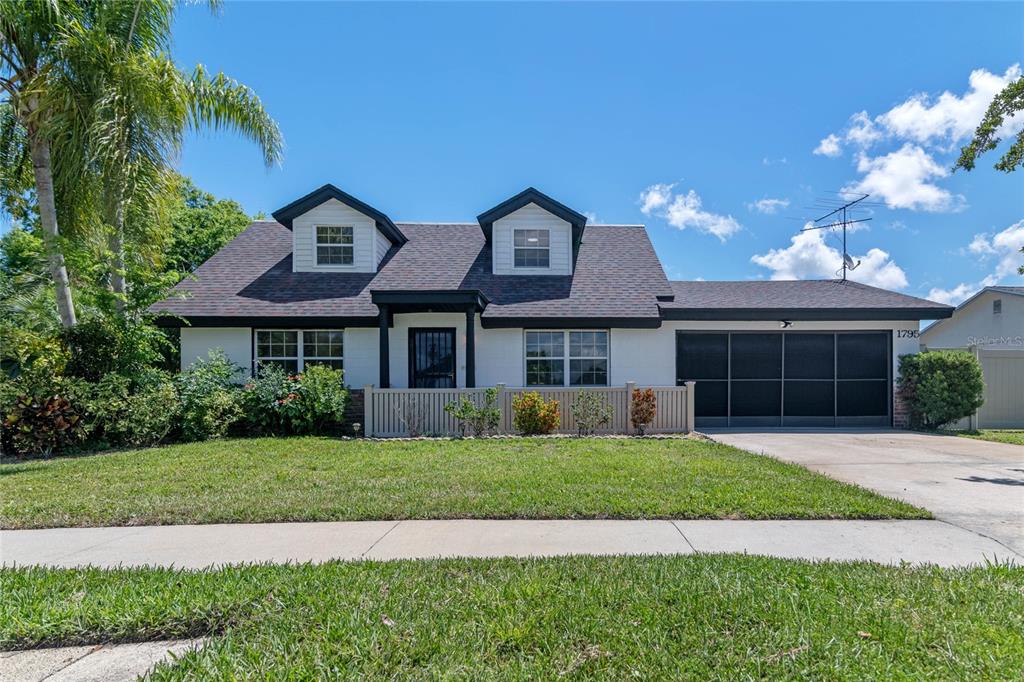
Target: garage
(774, 379)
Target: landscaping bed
(695, 617)
(321, 479)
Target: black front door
(432, 358)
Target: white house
(531, 295)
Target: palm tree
(93, 81)
(30, 47)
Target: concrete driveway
(973, 484)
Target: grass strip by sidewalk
(694, 617)
(319, 479)
(1011, 436)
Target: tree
(30, 48)
(1005, 105)
(201, 225)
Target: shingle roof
(797, 299)
(1019, 291)
(617, 275)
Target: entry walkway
(210, 545)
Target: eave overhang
(806, 314)
(429, 300)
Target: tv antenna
(839, 218)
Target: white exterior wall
(645, 356)
(531, 217)
(236, 342)
(976, 325)
(333, 212)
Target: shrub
(532, 415)
(644, 409)
(43, 412)
(309, 403)
(479, 421)
(322, 400)
(591, 411)
(940, 387)
(136, 413)
(101, 346)
(209, 397)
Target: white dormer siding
(383, 244)
(531, 217)
(365, 238)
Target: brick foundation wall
(354, 411)
(900, 412)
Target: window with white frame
(281, 347)
(335, 245)
(548, 352)
(532, 248)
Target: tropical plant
(473, 419)
(532, 415)
(590, 411)
(101, 345)
(42, 425)
(644, 409)
(209, 397)
(322, 398)
(940, 387)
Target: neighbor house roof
(795, 300)
(616, 282)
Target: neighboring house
(531, 295)
(991, 325)
(992, 318)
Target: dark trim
(286, 214)
(266, 322)
(531, 195)
(451, 331)
(824, 314)
(570, 322)
(384, 345)
(430, 300)
(470, 349)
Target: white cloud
(1004, 246)
(685, 211)
(809, 257)
(922, 127)
(768, 206)
(830, 146)
(904, 179)
(591, 217)
(960, 292)
(948, 118)
(655, 197)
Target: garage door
(787, 378)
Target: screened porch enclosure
(765, 379)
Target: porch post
(385, 359)
(471, 348)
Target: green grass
(319, 479)
(1011, 436)
(696, 617)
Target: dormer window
(335, 245)
(532, 248)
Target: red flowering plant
(279, 403)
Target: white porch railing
(396, 412)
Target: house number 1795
(906, 333)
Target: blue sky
(680, 116)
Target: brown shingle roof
(617, 275)
(814, 298)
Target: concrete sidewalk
(210, 545)
(99, 663)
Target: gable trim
(286, 214)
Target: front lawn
(695, 617)
(320, 479)
(1011, 436)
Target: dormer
(532, 234)
(334, 232)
